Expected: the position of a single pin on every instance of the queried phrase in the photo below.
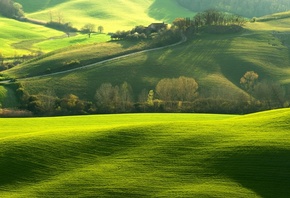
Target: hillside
(23, 38)
(17, 38)
(217, 61)
(246, 8)
(148, 155)
(112, 15)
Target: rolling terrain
(18, 38)
(217, 62)
(141, 155)
(112, 15)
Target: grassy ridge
(158, 155)
(15, 32)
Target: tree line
(11, 9)
(246, 8)
(182, 94)
(211, 18)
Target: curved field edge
(136, 155)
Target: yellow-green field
(17, 38)
(112, 15)
(146, 155)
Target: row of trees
(208, 18)
(11, 9)
(268, 92)
(181, 94)
(247, 8)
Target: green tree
(249, 80)
(88, 29)
(150, 98)
(101, 29)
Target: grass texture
(146, 155)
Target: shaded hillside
(247, 8)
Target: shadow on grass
(34, 6)
(264, 170)
(35, 160)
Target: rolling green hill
(23, 38)
(112, 15)
(146, 155)
(14, 34)
(18, 38)
(217, 62)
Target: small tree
(150, 98)
(88, 29)
(249, 80)
(1, 59)
(101, 29)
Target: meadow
(141, 155)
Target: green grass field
(112, 15)
(146, 155)
(22, 38)
(14, 32)
(17, 38)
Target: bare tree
(88, 29)
(60, 17)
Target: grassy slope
(14, 32)
(7, 97)
(19, 38)
(156, 155)
(86, 54)
(216, 61)
(112, 15)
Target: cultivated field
(141, 155)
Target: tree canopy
(9, 8)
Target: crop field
(146, 155)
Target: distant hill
(217, 62)
(112, 15)
(247, 8)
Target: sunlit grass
(155, 155)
